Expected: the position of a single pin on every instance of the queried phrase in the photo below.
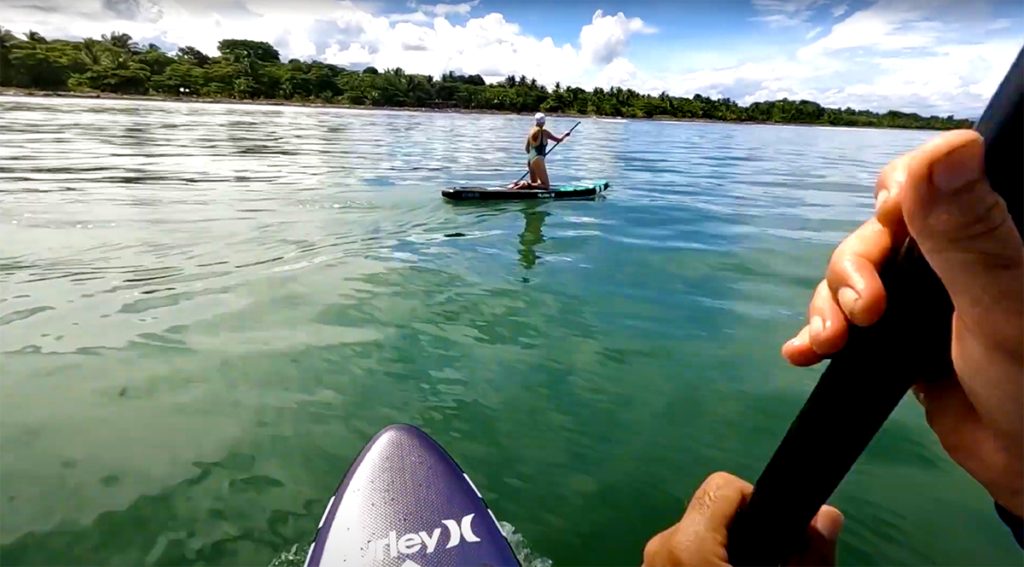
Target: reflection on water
(532, 235)
(207, 310)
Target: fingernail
(817, 326)
(958, 168)
(880, 198)
(831, 527)
(848, 300)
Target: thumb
(962, 226)
(820, 540)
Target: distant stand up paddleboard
(405, 503)
(575, 191)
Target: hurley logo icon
(415, 541)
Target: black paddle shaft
(868, 378)
(547, 153)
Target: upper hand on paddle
(938, 194)
(701, 537)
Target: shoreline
(21, 92)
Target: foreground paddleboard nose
(405, 503)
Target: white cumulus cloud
(445, 9)
(1000, 24)
(887, 26)
(785, 13)
(605, 38)
(414, 17)
(354, 56)
(619, 72)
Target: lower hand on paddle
(937, 194)
(700, 538)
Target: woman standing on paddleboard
(536, 149)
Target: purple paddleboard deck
(405, 503)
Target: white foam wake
(527, 557)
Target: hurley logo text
(415, 541)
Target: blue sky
(928, 56)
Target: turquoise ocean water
(206, 310)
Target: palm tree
(93, 53)
(35, 37)
(121, 41)
(125, 62)
(7, 37)
(198, 57)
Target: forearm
(553, 137)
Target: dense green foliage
(248, 69)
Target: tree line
(253, 70)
